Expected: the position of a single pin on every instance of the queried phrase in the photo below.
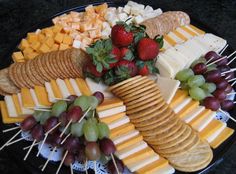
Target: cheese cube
(76, 44)
(44, 48)
(41, 38)
(122, 16)
(49, 41)
(23, 44)
(31, 55)
(32, 37)
(48, 32)
(57, 28)
(59, 37)
(136, 11)
(27, 51)
(35, 45)
(148, 8)
(127, 9)
(67, 40)
(37, 31)
(55, 47)
(138, 19)
(16, 56)
(63, 46)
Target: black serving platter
(34, 163)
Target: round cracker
(30, 74)
(19, 75)
(12, 75)
(40, 68)
(49, 68)
(25, 76)
(35, 73)
(7, 86)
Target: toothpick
(11, 139)
(65, 138)
(227, 115)
(10, 129)
(15, 141)
(27, 147)
(95, 166)
(114, 162)
(41, 109)
(62, 161)
(231, 54)
(65, 99)
(231, 61)
(49, 157)
(225, 57)
(64, 130)
(226, 46)
(232, 93)
(232, 80)
(84, 115)
(233, 83)
(86, 165)
(231, 70)
(209, 60)
(27, 154)
(71, 169)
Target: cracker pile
(45, 67)
(160, 127)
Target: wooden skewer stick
(231, 61)
(231, 70)
(209, 60)
(10, 129)
(86, 165)
(225, 57)
(49, 158)
(84, 114)
(232, 93)
(27, 154)
(95, 166)
(65, 138)
(11, 139)
(42, 109)
(71, 169)
(114, 162)
(65, 99)
(231, 54)
(15, 141)
(227, 115)
(64, 130)
(233, 83)
(27, 147)
(62, 161)
(221, 52)
(232, 80)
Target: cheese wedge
(83, 87)
(27, 99)
(129, 142)
(25, 111)
(131, 150)
(112, 118)
(69, 87)
(215, 134)
(188, 109)
(188, 31)
(109, 112)
(75, 87)
(190, 116)
(181, 36)
(180, 95)
(63, 88)
(153, 167)
(118, 122)
(184, 103)
(17, 104)
(109, 104)
(42, 96)
(124, 137)
(121, 130)
(199, 31)
(51, 96)
(11, 109)
(225, 134)
(56, 91)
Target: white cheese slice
(24, 110)
(118, 122)
(216, 133)
(182, 105)
(204, 122)
(187, 35)
(51, 96)
(175, 38)
(131, 149)
(35, 99)
(188, 27)
(125, 137)
(113, 111)
(11, 109)
(166, 45)
(63, 88)
(168, 169)
(201, 41)
(164, 68)
(75, 87)
(189, 117)
(178, 61)
(181, 48)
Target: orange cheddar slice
(170, 40)
(112, 118)
(153, 167)
(181, 36)
(27, 99)
(180, 95)
(17, 104)
(199, 31)
(188, 31)
(5, 117)
(138, 156)
(69, 87)
(121, 130)
(200, 117)
(212, 127)
(188, 108)
(129, 142)
(109, 104)
(83, 87)
(42, 95)
(225, 134)
(55, 88)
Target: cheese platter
(84, 90)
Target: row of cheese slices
(131, 148)
(200, 119)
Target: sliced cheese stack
(201, 119)
(131, 149)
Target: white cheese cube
(136, 11)
(148, 8)
(76, 44)
(37, 31)
(122, 16)
(109, 16)
(158, 12)
(111, 9)
(131, 3)
(120, 9)
(138, 19)
(105, 25)
(126, 9)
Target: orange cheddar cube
(55, 47)
(67, 40)
(49, 41)
(32, 55)
(63, 46)
(28, 51)
(35, 45)
(85, 26)
(44, 48)
(41, 38)
(95, 33)
(23, 44)
(16, 56)
(59, 37)
(48, 32)
(57, 28)
(32, 37)
(90, 9)
(101, 9)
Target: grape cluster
(207, 81)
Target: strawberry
(91, 69)
(143, 71)
(147, 49)
(126, 53)
(117, 55)
(146, 67)
(126, 69)
(121, 35)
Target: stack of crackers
(45, 67)
(160, 127)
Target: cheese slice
(109, 112)
(225, 134)
(124, 137)
(189, 31)
(10, 106)
(129, 142)
(140, 164)
(202, 120)
(164, 67)
(69, 87)
(75, 87)
(56, 91)
(131, 150)
(17, 104)
(51, 96)
(25, 111)
(153, 167)
(5, 117)
(190, 116)
(27, 99)
(121, 130)
(112, 118)
(180, 95)
(63, 88)
(179, 107)
(181, 36)
(183, 32)
(174, 37)
(170, 40)
(166, 45)
(211, 128)
(118, 122)
(138, 156)
(109, 104)
(83, 87)
(188, 109)
(199, 31)
(42, 96)
(168, 169)
(215, 134)
(35, 99)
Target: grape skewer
(11, 129)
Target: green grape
(90, 114)
(197, 80)
(92, 120)
(200, 60)
(59, 107)
(90, 131)
(103, 130)
(93, 101)
(184, 75)
(184, 86)
(83, 102)
(209, 87)
(61, 128)
(105, 159)
(77, 128)
(41, 116)
(197, 93)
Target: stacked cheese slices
(161, 128)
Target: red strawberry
(117, 55)
(121, 36)
(124, 51)
(144, 71)
(91, 69)
(147, 49)
(126, 69)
